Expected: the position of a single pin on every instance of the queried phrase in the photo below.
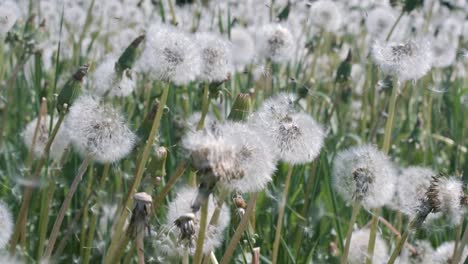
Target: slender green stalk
(401, 242)
(172, 11)
(464, 241)
(281, 209)
(66, 203)
(205, 106)
(213, 258)
(85, 221)
(123, 212)
(239, 230)
(165, 190)
(395, 24)
(373, 235)
(197, 259)
(354, 214)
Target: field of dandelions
(233, 131)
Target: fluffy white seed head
(243, 47)
(107, 82)
(9, 14)
(359, 244)
(6, 226)
(411, 188)
(170, 55)
(407, 61)
(326, 15)
(179, 241)
(444, 51)
(276, 107)
(445, 196)
(99, 130)
(216, 57)
(275, 42)
(443, 254)
(366, 174)
(379, 22)
(424, 252)
(61, 141)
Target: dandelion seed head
(216, 57)
(6, 228)
(444, 51)
(107, 82)
(276, 107)
(379, 22)
(443, 254)
(170, 55)
(275, 42)
(243, 47)
(445, 195)
(326, 15)
(407, 61)
(180, 213)
(423, 255)
(99, 130)
(412, 184)
(9, 14)
(366, 174)
(358, 248)
(60, 143)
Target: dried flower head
(170, 55)
(184, 225)
(216, 57)
(358, 248)
(407, 61)
(139, 222)
(61, 140)
(275, 42)
(243, 47)
(99, 130)
(326, 15)
(366, 174)
(107, 82)
(412, 184)
(6, 228)
(445, 194)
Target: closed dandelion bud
(129, 56)
(72, 89)
(216, 58)
(444, 253)
(326, 15)
(241, 107)
(6, 228)
(184, 225)
(99, 130)
(412, 184)
(9, 14)
(358, 248)
(406, 61)
(170, 55)
(275, 42)
(60, 143)
(139, 222)
(445, 194)
(364, 174)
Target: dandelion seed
(243, 47)
(326, 15)
(106, 81)
(365, 174)
(216, 57)
(99, 130)
(6, 228)
(60, 143)
(407, 61)
(445, 195)
(358, 248)
(9, 14)
(170, 55)
(185, 225)
(443, 254)
(275, 42)
(412, 184)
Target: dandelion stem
(373, 235)
(402, 241)
(140, 247)
(205, 107)
(281, 209)
(197, 259)
(239, 230)
(66, 203)
(158, 199)
(395, 24)
(123, 212)
(464, 241)
(172, 11)
(354, 214)
(213, 258)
